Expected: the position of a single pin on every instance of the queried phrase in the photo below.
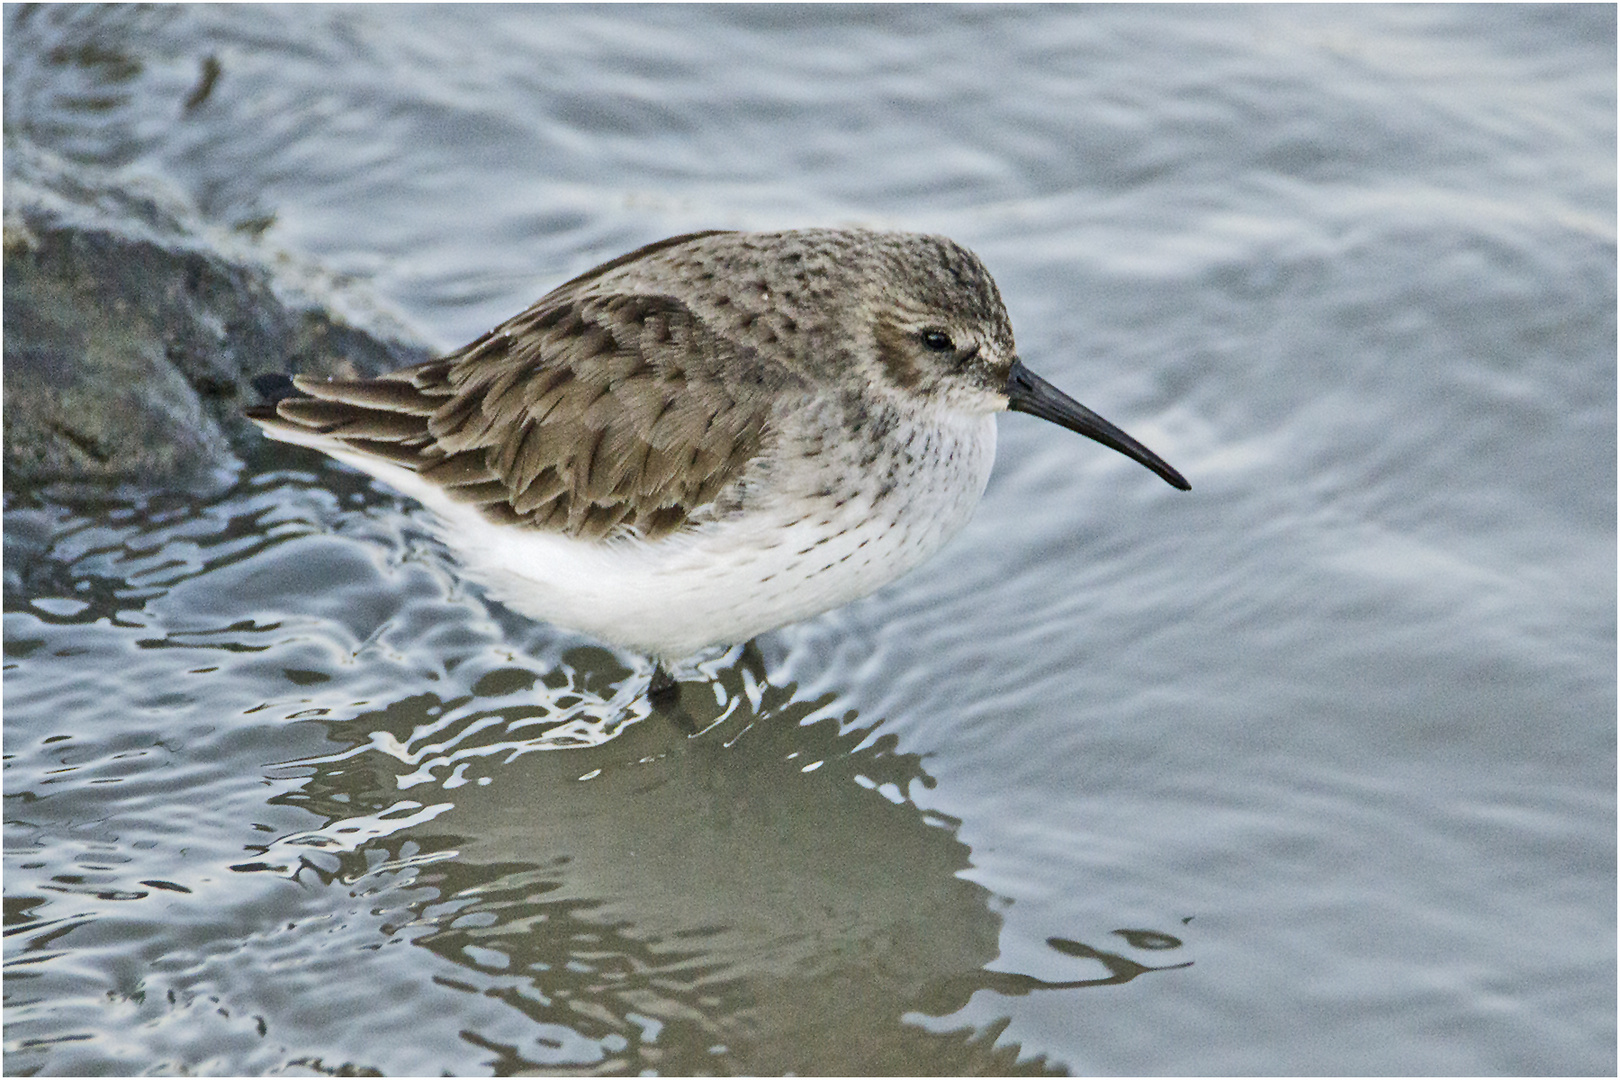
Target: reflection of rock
(129, 343)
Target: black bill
(1027, 392)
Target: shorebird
(707, 438)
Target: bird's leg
(664, 695)
(663, 692)
(753, 661)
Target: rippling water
(1311, 770)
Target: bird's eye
(937, 341)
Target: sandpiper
(707, 438)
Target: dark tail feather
(273, 388)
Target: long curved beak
(1027, 392)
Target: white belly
(794, 553)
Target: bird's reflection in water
(762, 898)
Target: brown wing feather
(583, 415)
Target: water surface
(1309, 770)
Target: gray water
(1309, 770)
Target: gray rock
(130, 343)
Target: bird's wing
(586, 415)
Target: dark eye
(937, 341)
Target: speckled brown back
(583, 416)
